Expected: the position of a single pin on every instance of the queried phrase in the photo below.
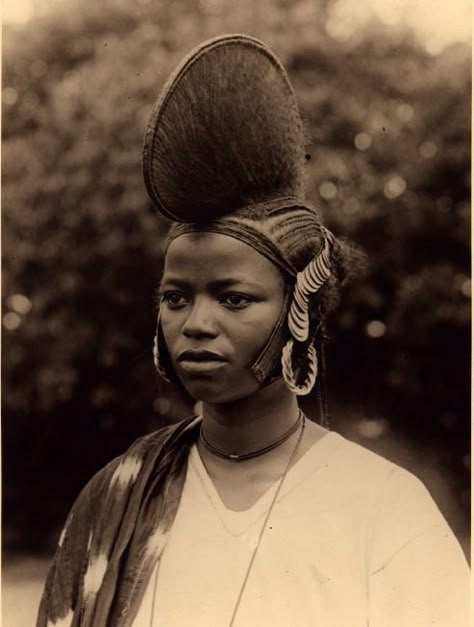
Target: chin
(210, 391)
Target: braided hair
(347, 261)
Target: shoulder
(398, 508)
(158, 438)
(362, 463)
(399, 504)
(384, 487)
(126, 466)
(97, 515)
(363, 466)
(110, 485)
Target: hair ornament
(289, 374)
(308, 282)
(156, 359)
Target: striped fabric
(116, 533)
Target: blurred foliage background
(388, 126)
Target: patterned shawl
(116, 532)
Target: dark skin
(220, 295)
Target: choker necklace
(236, 457)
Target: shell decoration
(156, 360)
(309, 281)
(289, 375)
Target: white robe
(352, 541)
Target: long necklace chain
(301, 420)
(239, 457)
(265, 522)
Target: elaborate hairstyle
(224, 134)
(224, 152)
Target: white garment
(353, 541)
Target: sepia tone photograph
(236, 313)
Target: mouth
(200, 361)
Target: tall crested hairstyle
(224, 152)
(226, 133)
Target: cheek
(255, 332)
(170, 327)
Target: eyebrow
(217, 284)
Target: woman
(248, 514)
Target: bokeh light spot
(375, 329)
(11, 321)
(434, 46)
(428, 150)
(462, 283)
(466, 288)
(394, 187)
(19, 303)
(372, 428)
(405, 112)
(9, 96)
(162, 405)
(362, 141)
(327, 190)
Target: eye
(236, 301)
(174, 299)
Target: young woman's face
(220, 301)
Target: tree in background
(388, 165)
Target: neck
(251, 423)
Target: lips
(200, 355)
(200, 361)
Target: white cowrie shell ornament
(309, 281)
(289, 375)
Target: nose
(201, 321)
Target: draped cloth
(116, 532)
(366, 537)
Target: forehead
(213, 255)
